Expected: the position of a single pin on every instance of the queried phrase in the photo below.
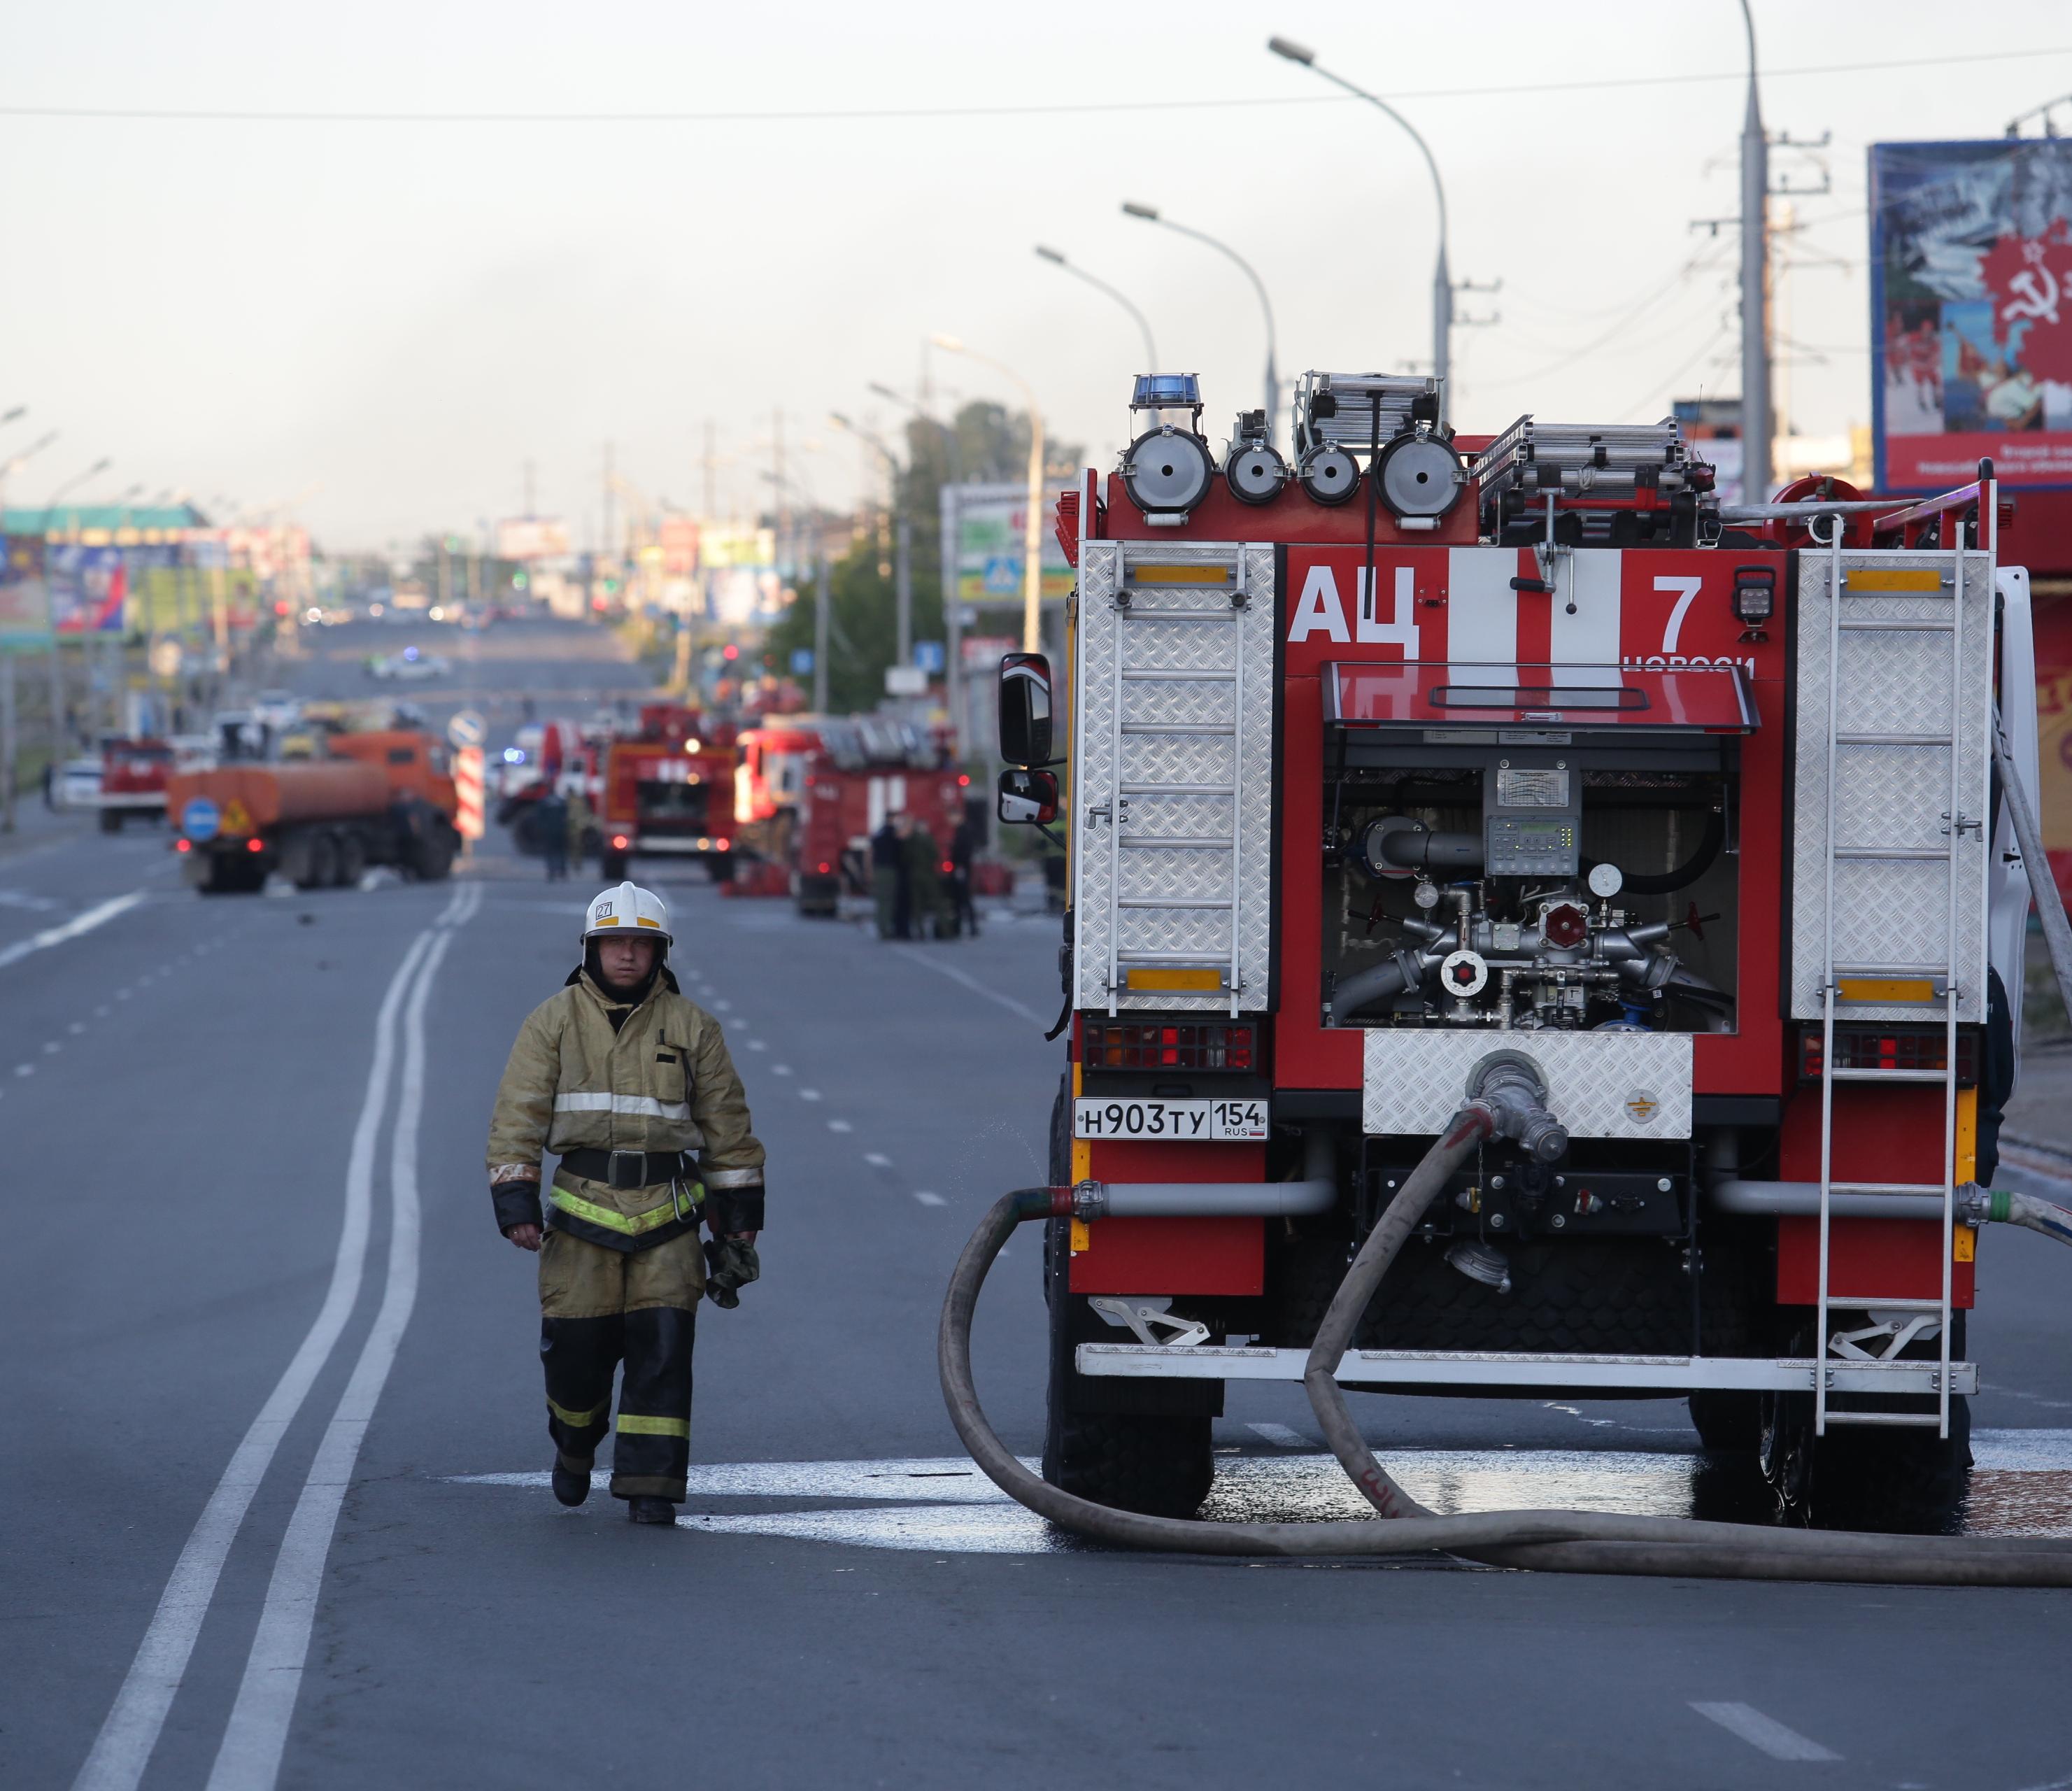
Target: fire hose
(1506, 1099)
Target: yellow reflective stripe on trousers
(581, 1421)
(612, 1219)
(632, 1424)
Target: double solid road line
(249, 1757)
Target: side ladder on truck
(1172, 866)
(1902, 836)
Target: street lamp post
(1756, 424)
(1151, 214)
(1056, 257)
(902, 536)
(821, 595)
(1032, 533)
(1442, 279)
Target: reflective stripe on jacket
(664, 1081)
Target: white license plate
(1174, 1121)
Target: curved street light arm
(1424, 148)
(1143, 323)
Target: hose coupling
(1978, 1205)
(1509, 1086)
(1086, 1199)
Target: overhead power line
(1538, 89)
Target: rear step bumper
(1412, 1367)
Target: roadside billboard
(1972, 311)
(983, 531)
(89, 587)
(25, 600)
(532, 538)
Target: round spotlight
(1420, 476)
(1328, 473)
(1255, 473)
(1167, 469)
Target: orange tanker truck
(371, 799)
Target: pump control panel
(1532, 817)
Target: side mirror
(1028, 798)
(1025, 709)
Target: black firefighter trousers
(600, 1308)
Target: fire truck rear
(668, 791)
(1425, 755)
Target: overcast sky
(382, 322)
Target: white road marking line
(757, 1044)
(972, 983)
(878, 1159)
(840, 1126)
(76, 1026)
(25, 1069)
(102, 1011)
(809, 1094)
(123, 1749)
(928, 1198)
(1765, 1733)
(51, 1048)
(249, 1758)
(1281, 1435)
(722, 1007)
(122, 995)
(79, 924)
(780, 1069)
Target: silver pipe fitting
(1092, 1199)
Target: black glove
(731, 1263)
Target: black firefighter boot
(571, 1484)
(644, 1510)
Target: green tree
(982, 443)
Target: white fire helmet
(628, 907)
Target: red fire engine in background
(668, 792)
(1425, 755)
(812, 791)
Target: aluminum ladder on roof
(1881, 767)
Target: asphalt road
(276, 1477)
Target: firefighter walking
(630, 1084)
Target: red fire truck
(1426, 753)
(668, 792)
(814, 789)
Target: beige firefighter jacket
(663, 1082)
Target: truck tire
(1161, 1463)
(111, 821)
(1907, 1481)
(352, 859)
(435, 852)
(322, 861)
(612, 865)
(721, 867)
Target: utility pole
(902, 585)
(1757, 427)
(610, 548)
(820, 630)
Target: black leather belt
(625, 1170)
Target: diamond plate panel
(1172, 704)
(1891, 912)
(1599, 1085)
(1229, 637)
(1178, 759)
(1169, 873)
(1891, 796)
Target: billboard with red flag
(1972, 311)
